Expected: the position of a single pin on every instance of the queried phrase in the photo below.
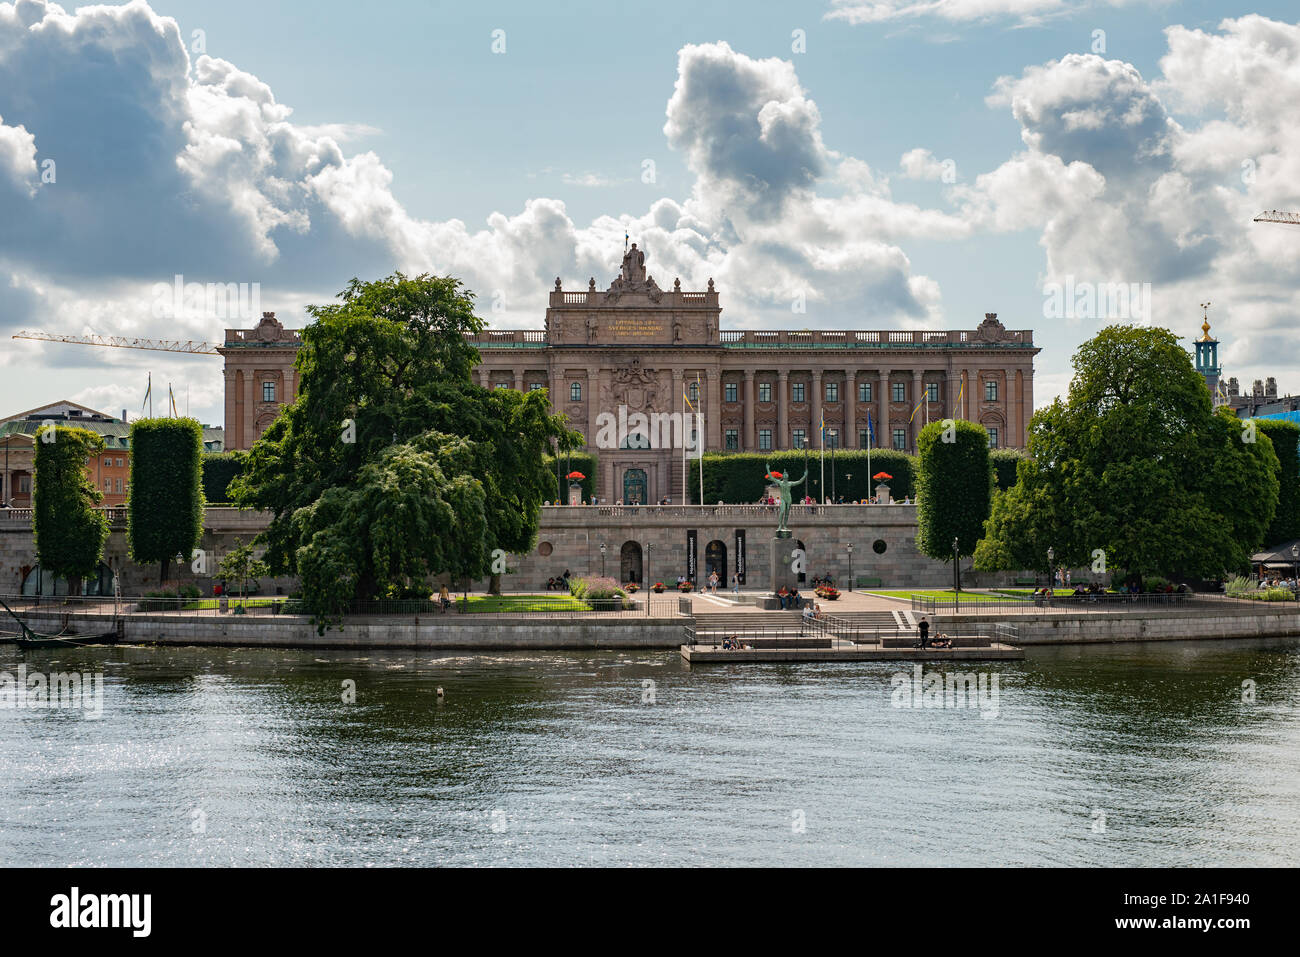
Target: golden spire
(1205, 326)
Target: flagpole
(822, 457)
(684, 492)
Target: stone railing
(749, 513)
(870, 339)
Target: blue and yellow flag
(147, 392)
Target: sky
(868, 164)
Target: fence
(929, 605)
(510, 606)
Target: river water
(1184, 753)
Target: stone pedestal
(779, 569)
(575, 494)
(882, 494)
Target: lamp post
(1051, 567)
(1295, 570)
(956, 564)
(602, 559)
(848, 479)
(850, 566)
(649, 553)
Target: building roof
(1278, 554)
(63, 407)
(116, 434)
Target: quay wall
(1200, 621)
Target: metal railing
(929, 605)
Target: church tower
(1207, 359)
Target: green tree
(165, 504)
(953, 487)
(1134, 469)
(69, 530)
(1285, 437)
(241, 565)
(392, 466)
(219, 470)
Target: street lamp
(850, 566)
(956, 566)
(1295, 565)
(1051, 567)
(649, 553)
(602, 559)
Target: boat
(33, 640)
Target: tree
(165, 504)
(1285, 437)
(240, 565)
(219, 470)
(953, 487)
(69, 530)
(392, 466)
(1134, 471)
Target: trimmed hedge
(219, 470)
(955, 480)
(583, 462)
(1004, 466)
(737, 477)
(68, 530)
(165, 505)
(1286, 443)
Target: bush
(737, 478)
(219, 470)
(1004, 466)
(583, 462)
(603, 594)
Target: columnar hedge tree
(737, 477)
(1004, 462)
(69, 531)
(219, 470)
(1134, 468)
(1285, 437)
(165, 504)
(953, 487)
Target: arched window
(575, 391)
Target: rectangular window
(693, 390)
(796, 392)
(900, 391)
(990, 391)
(993, 438)
(575, 391)
(502, 385)
(730, 392)
(864, 439)
(108, 461)
(118, 483)
(932, 391)
(24, 484)
(268, 391)
(864, 391)
(797, 440)
(765, 392)
(900, 439)
(832, 438)
(832, 392)
(733, 440)
(535, 387)
(119, 463)
(108, 485)
(765, 439)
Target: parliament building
(637, 349)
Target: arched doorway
(635, 488)
(629, 563)
(715, 560)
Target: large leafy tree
(392, 466)
(68, 528)
(953, 487)
(1137, 465)
(165, 503)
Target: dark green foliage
(1004, 466)
(953, 487)
(68, 529)
(1285, 437)
(737, 477)
(165, 504)
(219, 470)
(584, 462)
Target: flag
(687, 400)
(869, 430)
(917, 409)
(961, 389)
(147, 392)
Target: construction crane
(188, 347)
(1274, 216)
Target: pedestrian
(924, 628)
(713, 583)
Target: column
(814, 428)
(519, 380)
(1026, 405)
(849, 439)
(1011, 405)
(884, 438)
(954, 388)
(750, 441)
(782, 413)
(713, 410)
(589, 392)
(247, 431)
(918, 420)
(232, 397)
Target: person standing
(924, 628)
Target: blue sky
(781, 173)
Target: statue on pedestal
(784, 485)
(634, 265)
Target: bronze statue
(784, 485)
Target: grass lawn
(203, 604)
(938, 594)
(488, 604)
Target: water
(250, 757)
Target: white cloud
(963, 11)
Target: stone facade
(260, 378)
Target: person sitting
(729, 643)
(809, 614)
(782, 597)
(795, 600)
(943, 641)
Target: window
(730, 392)
(24, 484)
(118, 483)
(900, 391)
(864, 439)
(993, 438)
(796, 392)
(932, 391)
(575, 391)
(119, 463)
(733, 440)
(832, 438)
(502, 385)
(108, 485)
(832, 392)
(990, 391)
(535, 387)
(108, 461)
(797, 440)
(268, 391)
(693, 390)
(900, 439)
(864, 391)
(765, 439)
(765, 392)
